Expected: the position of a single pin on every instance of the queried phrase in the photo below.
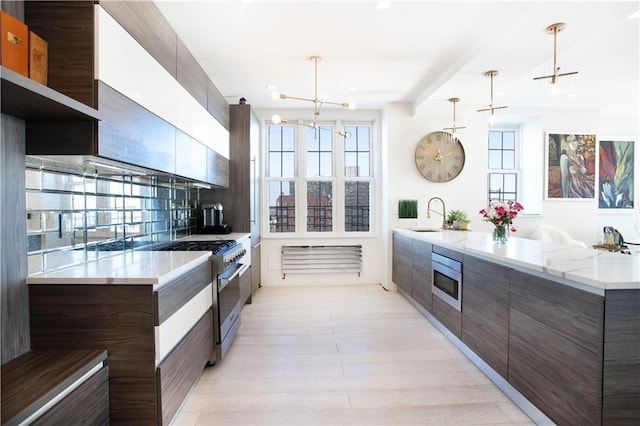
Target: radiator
(321, 259)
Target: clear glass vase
(500, 233)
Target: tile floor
(348, 355)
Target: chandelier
(491, 108)
(318, 103)
(555, 29)
(453, 130)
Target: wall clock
(439, 157)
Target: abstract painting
(571, 166)
(615, 180)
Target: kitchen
(401, 125)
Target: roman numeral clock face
(439, 157)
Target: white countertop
(595, 270)
(131, 267)
(135, 267)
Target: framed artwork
(570, 166)
(615, 175)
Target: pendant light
(491, 108)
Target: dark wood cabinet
(572, 353)
(450, 317)
(127, 132)
(241, 200)
(402, 259)
(421, 274)
(245, 286)
(621, 375)
(485, 311)
(127, 321)
(32, 382)
(555, 348)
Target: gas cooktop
(215, 246)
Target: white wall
(582, 219)
(399, 179)
(374, 246)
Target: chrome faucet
(444, 211)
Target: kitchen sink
(426, 230)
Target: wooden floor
(349, 355)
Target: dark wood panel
(422, 274)
(217, 169)
(191, 75)
(172, 296)
(68, 28)
(13, 249)
(485, 311)
(183, 366)
(448, 316)
(555, 348)
(88, 404)
(131, 134)
(245, 287)
(146, 24)
(68, 137)
(33, 379)
(28, 99)
(217, 105)
(116, 318)
(402, 255)
(621, 388)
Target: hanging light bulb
(318, 100)
(454, 130)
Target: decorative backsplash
(76, 214)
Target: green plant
(459, 216)
(408, 209)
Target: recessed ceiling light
(271, 87)
(383, 5)
(351, 89)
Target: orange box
(14, 46)
(38, 58)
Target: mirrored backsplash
(78, 214)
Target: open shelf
(28, 99)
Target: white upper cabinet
(123, 64)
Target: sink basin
(426, 230)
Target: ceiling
(419, 52)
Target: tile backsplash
(76, 214)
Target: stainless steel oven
(227, 269)
(447, 280)
(228, 306)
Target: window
(282, 189)
(319, 178)
(503, 165)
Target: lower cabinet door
(88, 404)
(182, 368)
(555, 348)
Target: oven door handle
(228, 276)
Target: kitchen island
(153, 313)
(559, 326)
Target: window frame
(338, 179)
(504, 172)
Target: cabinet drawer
(182, 368)
(172, 296)
(88, 404)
